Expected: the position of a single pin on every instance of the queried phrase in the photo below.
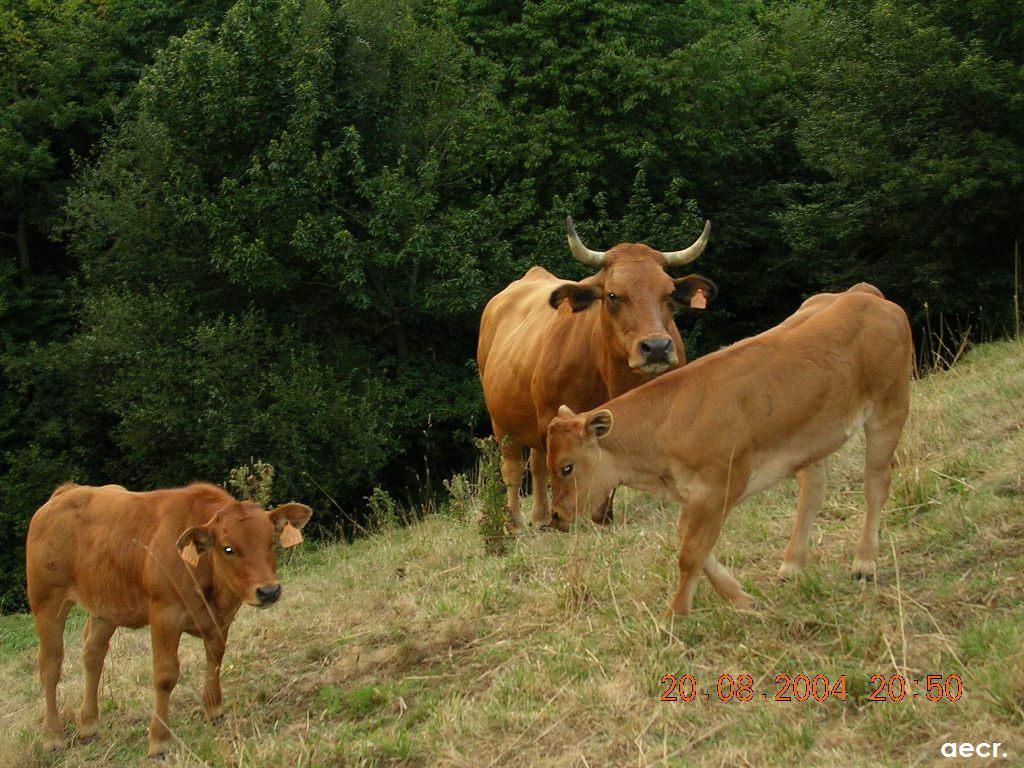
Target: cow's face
(579, 483)
(636, 298)
(239, 541)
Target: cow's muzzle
(267, 595)
(656, 352)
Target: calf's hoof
(747, 602)
(789, 570)
(863, 569)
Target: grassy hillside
(416, 648)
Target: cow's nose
(656, 350)
(268, 595)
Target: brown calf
(735, 422)
(180, 560)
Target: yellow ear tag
(697, 301)
(190, 554)
(290, 536)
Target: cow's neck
(632, 456)
(215, 604)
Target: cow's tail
(866, 288)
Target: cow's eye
(613, 297)
(566, 470)
(229, 550)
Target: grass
(414, 647)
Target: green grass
(414, 647)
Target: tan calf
(735, 422)
(181, 560)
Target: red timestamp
(819, 688)
(899, 687)
(741, 688)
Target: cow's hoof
(863, 569)
(88, 730)
(157, 750)
(53, 742)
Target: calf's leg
(726, 585)
(94, 650)
(881, 433)
(50, 615)
(699, 527)
(811, 481)
(211, 688)
(165, 635)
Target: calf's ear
(599, 424)
(580, 295)
(287, 520)
(193, 542)
(694, 291)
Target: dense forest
(267, 228)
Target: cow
(737, 421)
(608, 333)
(179, 560)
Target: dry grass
(414, 647)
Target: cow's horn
(685, 256)
(580, 252)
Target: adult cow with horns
(608, 333)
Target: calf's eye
(229, 550)
(566, 470)
(612, 297)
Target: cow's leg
(725, 583)
(211, 689)
(512, 468)
(541, 515)
(881, 434)
(603, 514)
(165, 634)
(699, 527)
(94, 651)
(811, 480)
(50, 615)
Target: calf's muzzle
(268, 595)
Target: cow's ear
(694, 291)
(193, 542)
(287, 520)
(580, 295)
(599, 424)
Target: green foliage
(268, 227)
(384, 511)
(492, 518)
(253, 481)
